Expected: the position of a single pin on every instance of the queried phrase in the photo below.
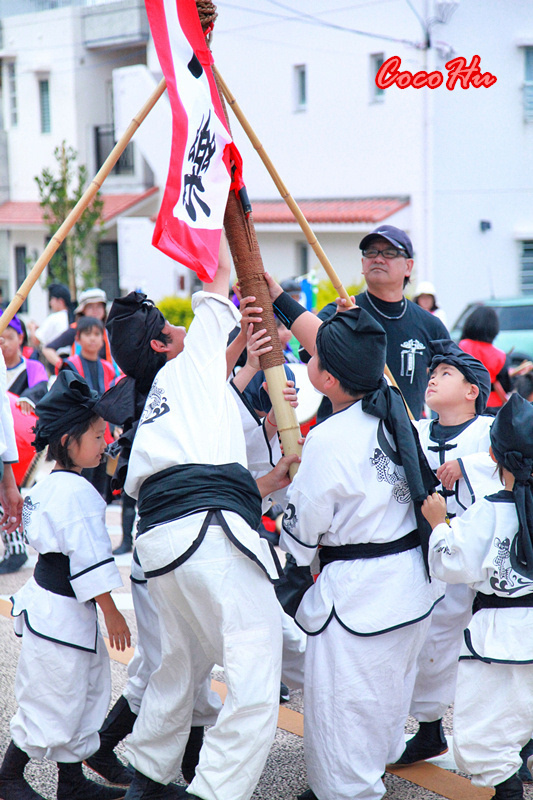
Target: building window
(526, 268)
(302, 258)
(12, 93)
(528, 84)
(300, 87)
(104, 138)
(44, 102)
(376, 61)
(20, 272)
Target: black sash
(185, 489)
(496, 601)
(353, 552)
(52, 572)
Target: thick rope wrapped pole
(242, 240)
(84, 201)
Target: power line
(312, 20)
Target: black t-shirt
(408, 337)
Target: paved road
(284, 775)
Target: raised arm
(305, 326)
(220, 283)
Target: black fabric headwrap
(511, 437)
(444, 351)
(69, 402)
(387, 404)
(352, 346)
(132, 323)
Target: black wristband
(287, 309)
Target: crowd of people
(408, 529)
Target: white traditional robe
(218, 606)
(494, 696)
(434, 688)
(63, 683)
(366, 619)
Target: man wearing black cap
(387, 264)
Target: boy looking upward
(456, 445)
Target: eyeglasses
(389, 252)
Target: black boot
(73, 785)
(511, 789)
(12, 563)
(428, 742)
(308, 795)
(524, 773)
(144, 788)
(12, 783)
(128, 518)
(191, 756)
(119, 722)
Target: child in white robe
(63, 681)
(367, 614)
(458, 388)
(491, 549)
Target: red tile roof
(30, 213)
(359, 209)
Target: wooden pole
(79, 208)
(293, 205)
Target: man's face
(177, 338)
(382, 272)
(91, 341)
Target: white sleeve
(457, 551)
(310, 507)
(8, 444)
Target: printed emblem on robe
(388, 472)
(290, 520)
(506, 580)
(27, 509)
(410, 350)
(156, 405)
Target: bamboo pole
(79, 208)
(293, 205)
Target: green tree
(75, 263)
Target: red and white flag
(189, 223)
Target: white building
(453, 168)
(57, 60)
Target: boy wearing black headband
(456, 445)
(355, 494)
(491, 548)
(197, 543)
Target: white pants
(357, 693)
(63, 695)
(436, 668)
(217, 607)
(492, 719)
(147, 658)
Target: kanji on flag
(189, 223)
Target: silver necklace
(381, 312)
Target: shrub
(177, 310)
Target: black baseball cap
(395, 236)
